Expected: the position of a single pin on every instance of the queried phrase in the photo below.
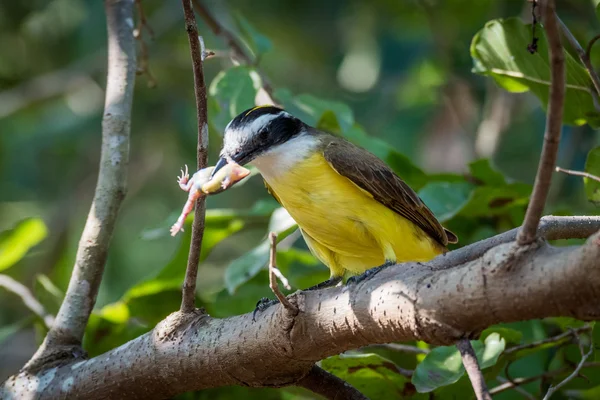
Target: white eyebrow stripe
(262, 121)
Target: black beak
(220, 164)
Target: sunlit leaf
(592, 166)
(117, 313)
(499, 50)
(374, 376)
(16, 242)
(235, 90)
(446, 199)
(511, 336)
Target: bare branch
(329, 386)
(469, 360)
(575, 373)
(27, 297)
(236, 48)
(551, 228)
(191, 273)
(558, 339)
(274, 272)
(553, 128)
(64, 338)
(402, 348)
(517, 388)
(588, 50)
(411, 301)
(546, 375)
(584, 56)
(578, 173)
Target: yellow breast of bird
(343, 225)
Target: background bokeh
(402, 67)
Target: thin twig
(517, 388)
(588, 49)
(550, 374)
(555, 339)
(143, 64)
(469, 360)
(554, 116)
(583, 55)
(71, 321)
(236, 47)
(578, 173)
(575, 373)
(402, 348)
(274, 273)
(191, 273)
(329, 386)
(28, 298)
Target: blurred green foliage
(394, 77)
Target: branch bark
(553, 128)
(412, 301)
(583, 55)
(189, 284)
(469, 359)
(64, 338)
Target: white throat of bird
(281, 158)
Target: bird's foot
(262, 305)
(368, 273)
(183, 180)
(328, 283)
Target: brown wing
(372, 175)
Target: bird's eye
(263, 133)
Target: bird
(354, 213)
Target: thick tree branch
(553, 128)
(469, 359)
(551, 228)
(412, 301)
(27, 297)
(189, 284)
(64, 338)
(329, 386)
(583, 55)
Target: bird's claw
(184, 178)
(262, 305)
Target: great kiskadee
(353, 211)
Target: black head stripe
(251, 114)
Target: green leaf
(235, 90)
(258, 43)
(592, 166)
(7, 331)
(499, 50)
(311, 109)
(511, 336)
(16, 242)
(443, 365)
(374, 376)
(483, 171)
(486, 201)
(446, 199)
(247, 266)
